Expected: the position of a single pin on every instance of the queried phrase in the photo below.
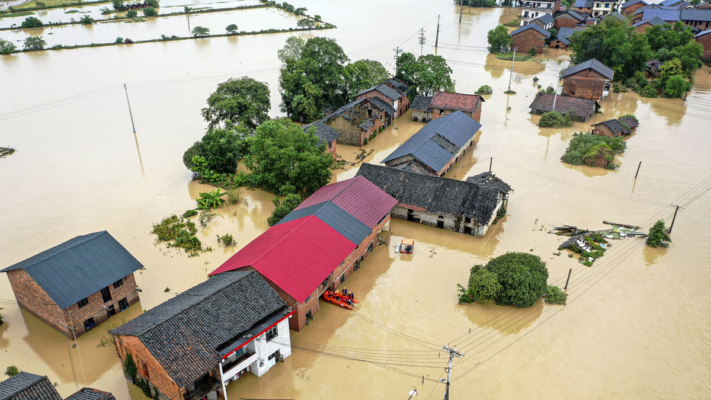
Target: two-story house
(531, 10)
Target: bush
(555, 296)
(283, 207)
(317, 17)
(178, 232)
(32, 22)
(40, 5)
(12, 370)
(658, 236)
(584, 148)
(226, 240)
(484, 286)
(154, 4)
(522, 277)
(631, 83)
(210, 200)
(6, 47)
(150, 12)
(132, 14)
(128, 41)
(190, 213)
(234, 194)
(86, 20)
(119, 40)
(554, 119)
(532, 52)
(648, 91)
(485, 89)
(232, 29)
(205, 218)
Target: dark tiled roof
(421, 103)
(615, 127)
(580, 16)
(704, 33)
(346, 111)
(653, 63)
(631, 122)
(398, 84)
(565, 33)
(382, 105)
(695, 15)
(434, 194)
(387, 91)
(79, 267)
(583, 3)
(335, 217)
(665, 13)
(633, 2)
(184, 333)
(414, 166)
(323, 132)
(91, 394)
(670, 3)
(532, 26)
(26, 386)
(546, 19)
(456, 101)
(489, 180)
(653, 21)
(616, 15)
(593, 64)
(581, 108)
(437, 142)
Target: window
(441, 112)
(118, 283)
(343, 277)
(111, 311)
(83, 302)
(123, 304)
(330, 145)
(89, 324)
(467, 220)
(106, 294)
(272, 333)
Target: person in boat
(345, 291)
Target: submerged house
(27, 386)
(318, 245)
(359, 119)
(193, 345)
(421, 108)
(569, 19)
(587, 80)
(393, 92)
(615, 127)
(563, 39)
(435, 147)
(444, 103)
(77, 285)
(325, 134)
(580, 109)
(528, 37)
(468, 207)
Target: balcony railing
(233, 368)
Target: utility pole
(422, 39)
(512, 66)
(461, 7)
(129, 108)
(188, 14)
(437, 37)
(452, 353)
(673, 219)
(555, 96)
(397, 51)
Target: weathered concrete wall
(422, 116)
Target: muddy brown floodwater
(636, 324)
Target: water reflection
(503, 319)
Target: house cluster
(428, 108)
(27, 386)
(615, 127)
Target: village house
(631, 6)
(468, 207)
(359, 119)
(652, 68)
(591, 21)
(545, 21)
(531, 36)
(569, 19)
(587, 80)
(437, 146)
(193, 345)
(318, 245)
(77, 285)
(563, 39)
(584, 6)
(27, 386)
(617, 15)
(673, 3)
(641, 26)
(444, 103)
(325, 134)
(697, 19)
(421, 108)
(580, 109)
(393, 92)
(531, 10)
(595, 8)
(704, 38)
(615, 127)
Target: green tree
(658, 236)
(281, 153)
(220, 149)
(300, 11)
(118, 5)
(32, 22)
(232, 29)
(363, 74)
(305, 23)
(152, 3)
(291, 50)
(40, 5)
(499, 40)
(317, 17)
(199, 31)
(243, 101)
(87, 20)
(485, 89)
(119, 40)
(690, 56)
(668, 37)
(12, 370)
(676, 86)
(532, 52)
(151, 12)
(553, 32)
(434, 74)
(325, 61)
(667, 70)
(484, 286)
(132, 14)
(283, 207)
(407, 68)
(34, 43)
(7, 47)
(523, 278)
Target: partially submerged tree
(217, 152)
(283, 207)
(34, 43)
(242, 101)
(7, 47)
(232, 29)
(499, 40)
(426, 74)
(199, 31)
(32, 22)
(658, 236)
(306, 23)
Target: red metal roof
(297, 255)
(455, 101)
(357, 196)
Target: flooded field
(636, 324)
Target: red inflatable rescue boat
(334, 297)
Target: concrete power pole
(437, 37)
(512, 66)
(461, 7)
(129, 108)
(397, 51)
(452, 353)
(422, 40)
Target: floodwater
(636, 324)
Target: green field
(16, 14)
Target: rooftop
(580, 108)
(615, 127)
(336, 217)
(617, 15)
(91, 394)
(592, 64)
(706, 32)
(546, 19)
(536, 27)
(382, 105)
(79, 267)
(398, 84)
(387, 91)
(668, 14)
(583, 4)
(565, 33)
(26, 386)
(323, 132)
(633, 2)
(421, 103)
(689, 14)
(653, 21)
(456, 101)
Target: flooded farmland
(636, 323)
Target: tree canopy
(363, 74)
(658, 236)
(243, 101)
(220, 149)
(7, 47)
(499, 40)
(34, 43)
(427, 73)
(32, 22)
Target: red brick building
(529, 37)
(318, 245)
(568, 19)
(641, 26)
(78, 284)
(325, 134)
(564, 38)
(705, 39)
(587, 80)
(631, 6)
(393, 92)
(358, 120)
(444, 103)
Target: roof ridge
(89, 237)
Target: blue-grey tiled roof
(583, 3)
(427, 145)
(633, 2)
(665, 13)
(91, 394)
(653, 21)
(616, 15)
(546, 19)
(381, 104)
(421, 103)
(26, 386)
(565, 33)
(689, 14)
(532, 26)
(323, 132)
(79, 267)
(335, 217)
(593, 64)
(576, 15)
(669, 3)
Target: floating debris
(591, 245)
(6, 151)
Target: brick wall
(602, 130)
(529, 39)
(332, 150)
(590, 22)
(557, 44)
(584, 9)
(145, 362)
(32, 298)
(95, 308)
(565, 21)
(642, 28)
(705, 41)
(631, 9)
(375, 93)
(586, 84)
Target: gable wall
(32, 298)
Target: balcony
(538, 6)
(234, 367)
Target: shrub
(484, 286)
(535, 79)
(205, 218)
(522, 277)
(12, 370)
(631, 83)
(190, 213)
(648, 91)
(128, 41)
(199, 31)
(554, 119)
(232, 29)
(167, 289)
(226, 240)
(40, 5)
(317, 17)
(119, 40)
(154, 4)
(485, 89)
(584, 148)
(87, 20)
(150, 12)
(555, 296)
(129, 366)
(532, 52)
(283, 207)
(6, 47)
(509, 92)
(210, 200)
(658, 236)
(32, 22)
(234, 194)
(178, 232)
(132, 14)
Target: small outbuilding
(580, 109)
(421, 108)
(531, 36)
(563, 39)
(325, 134)
(615, 127)
(588, 80)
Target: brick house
(705, 39)
(421, 108)
(437, 146)
(393, 92)
(78, 284)
(196, 343)
(531, 10)
(27, 386)
(631, 6)
(641, 26)
(568, 19)
(359, 119)
(615, 127)
(581, 109)
(444, 103)
(325, 134)
(468, 207)
(529, 37)
(545, 21)
(697, 19)
(587, 80)
(584, 6)
(318, 245)
(563, 39)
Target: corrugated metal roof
(336, 217)
(593, 64)
(79, 267)
(296, 256)
(456, 128)
(532, 26)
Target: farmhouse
(580, 109)
(585, 6)
(444, 103)
(705, 39)
(697, 19)
(531, 36)
(325, 134)
(318, 245)
(359, 119)
(78, 284)
(563, 39)
(587, 80)
(435, 147)
(569, 19)
(533, 9)
(631, 6)
(196, 343)
(615, 127)
(27, 386)
(421, 108)
(392, 92)
(467, 207)
(641, 26)
(545, 21)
